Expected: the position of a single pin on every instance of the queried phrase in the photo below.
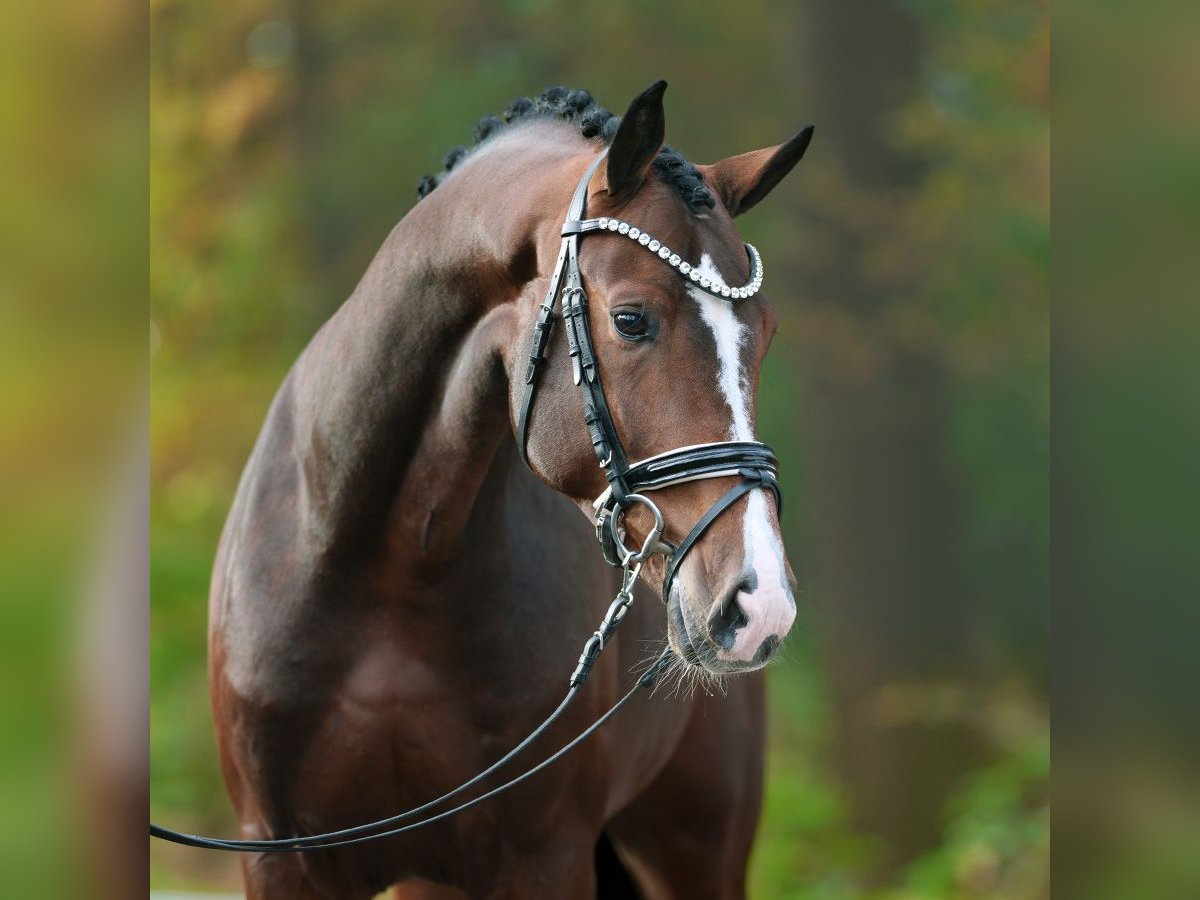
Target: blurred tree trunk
(317, 224)
(876, 412)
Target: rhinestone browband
(669, 256)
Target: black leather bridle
(751, 462)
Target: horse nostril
(727, 618)
(767, 649)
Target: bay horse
(400, 589)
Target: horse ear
(741, 181)
(638, 139)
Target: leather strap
(752, 480)
(605, 442)
(701, 461)
(725, 459)
(567, 262)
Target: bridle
(753, 463)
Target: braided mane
(593, 120)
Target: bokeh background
(907, 391)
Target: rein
(753, 463)
(360, 834)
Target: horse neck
(401, 400)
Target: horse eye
(631, 324)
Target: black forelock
(593, 120)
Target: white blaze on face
(770, 608)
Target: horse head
(678, 346)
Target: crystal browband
(673, 259)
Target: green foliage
(997, 833)
(806, 846)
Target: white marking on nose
(728, 333)
(770, 608)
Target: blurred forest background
(907, 391)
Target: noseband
(751, 462)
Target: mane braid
(594, 121)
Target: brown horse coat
(397, 599)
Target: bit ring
(652, 539)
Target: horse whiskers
(673, 678)
(654, 650)
(683, 679)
